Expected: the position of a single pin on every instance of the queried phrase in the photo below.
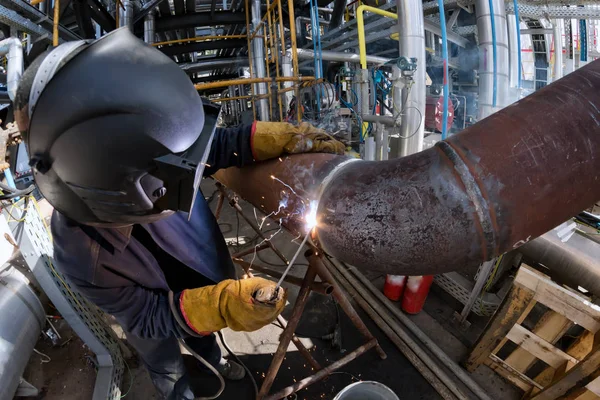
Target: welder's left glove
(242, 305)
(272, 139)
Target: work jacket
(112, 269)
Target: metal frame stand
(35, 244)
(326, 285)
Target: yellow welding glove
(272, 139)
(242, 305)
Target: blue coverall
(128, 272)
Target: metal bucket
(366, 390)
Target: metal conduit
(483, 192)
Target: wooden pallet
(569, 373)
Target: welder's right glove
(272, 139)
(232, 303)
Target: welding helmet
(115, 130)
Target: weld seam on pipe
(329, 177)
(473, 192)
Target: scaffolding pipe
(493, 57)
(557, 29)
(14, 66)
(412, 44)
(248, 81)
(258, 60)
(149, 28)
(485, 191)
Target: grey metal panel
(84, 318)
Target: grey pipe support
(304, 54)
(14, 69)
(486, 59)
(422, 336)
(557, 31)
(387, 120)
(258, 61)
(412, 44)
(149, 28)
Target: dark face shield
(181, 173)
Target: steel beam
(194, 20)
(200, 46)
(485, 191)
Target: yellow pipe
(199, 39)
(36, 2)
(362, 45)
(55, 23)
(249, 81)
(223, 99)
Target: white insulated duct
(258, 61)
(492, 97)
(557, 30)
(14, 67)
(412, 44)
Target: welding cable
(203, 361)
(12, 193)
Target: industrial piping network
(485, 191)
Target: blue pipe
(516, 7)
(445, 81)
(494, 54)
(583, 40)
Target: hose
(445, 79)
(12, 193)
(494, 53)
(210, 367)
(516, 7)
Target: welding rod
(293, 260)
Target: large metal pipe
(412, 44)
(22, 318)
(487, 190)
(258, 60)
(575, 262)
(14, 67)
(493, 60)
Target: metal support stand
(326, 285)
(35, 244)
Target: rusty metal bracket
(326, 285)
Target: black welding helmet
(116, 132)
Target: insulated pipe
(14, 67)
(575, 262)
(22, 319)
(149, 31)
(492, 75)
(513, 60)
(304, 54)
(412, 44)
(483, 192)
(258, 60)
(286, 69)
(127, 14)
(557, 30)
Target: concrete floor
(70, 373)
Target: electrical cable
(210, 367)
(130, 379)
(17, 193)
(248, 372)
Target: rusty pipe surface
(487, 190)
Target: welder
(119, 140)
